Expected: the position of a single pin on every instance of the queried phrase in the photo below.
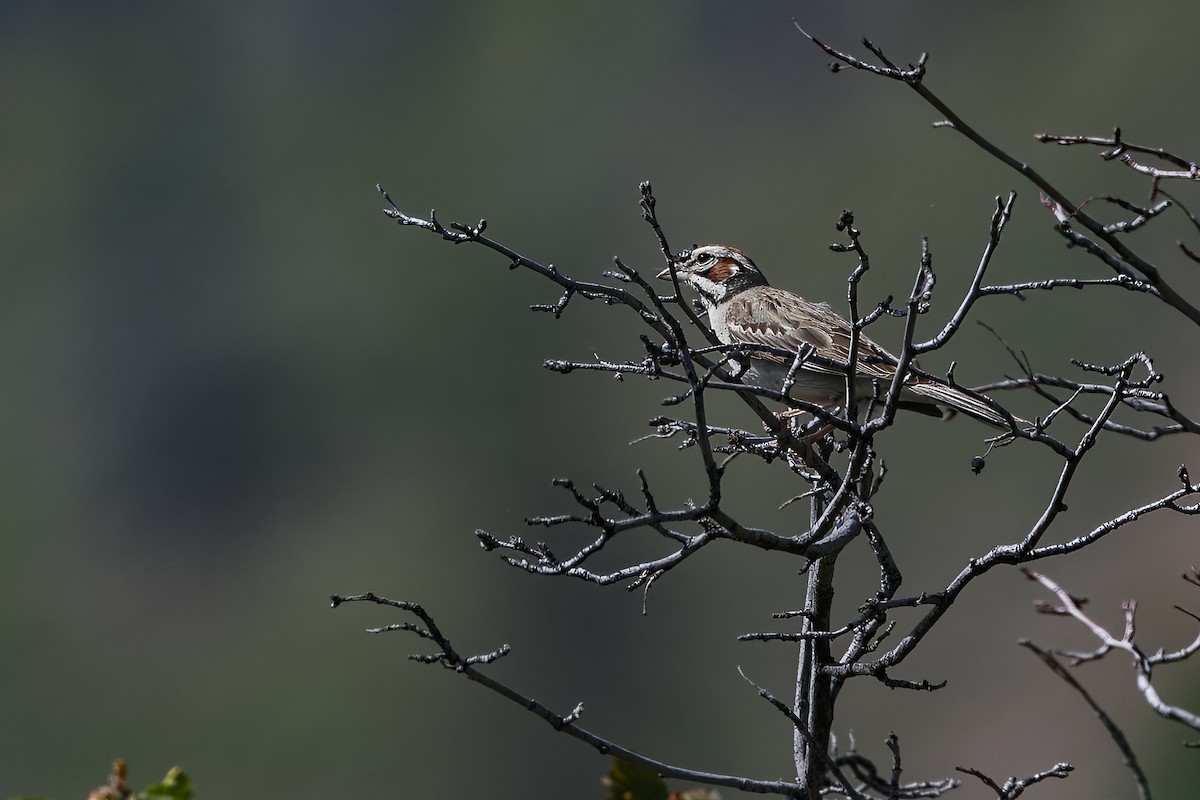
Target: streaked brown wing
(775, 318)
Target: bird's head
(716, 271)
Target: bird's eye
(705, 260)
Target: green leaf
(176, 786)
(630, 781)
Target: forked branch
(914, 78)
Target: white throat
(710, 292)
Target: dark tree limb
(913, 77)
(1117, 735)
(1013, 788)
(451, 659)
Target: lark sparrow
(744, 309)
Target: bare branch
(1118, 736)
(1014, 787)
(563, 723)
(1000, 218)
(914, 76)
(1120, 151)
(1142, 663)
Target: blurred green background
(230, 387)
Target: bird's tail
(951, 400)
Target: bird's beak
(664, 275)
